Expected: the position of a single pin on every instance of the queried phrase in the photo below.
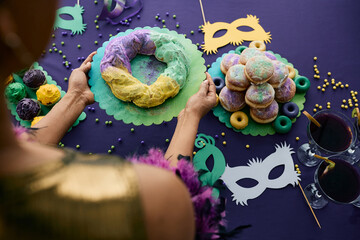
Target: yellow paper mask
(233, 35)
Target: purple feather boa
(208, 218)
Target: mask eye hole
(220, 33)
(245, 29)
(247, 182)
(210, 163)
(276, 172)
(66, 16)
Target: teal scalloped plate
(129, 112)
(32, 94)
(253, 128)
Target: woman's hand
(78, 81)
(204, 100)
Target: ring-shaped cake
(115, 67)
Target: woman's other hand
(78, 81)
(204, 100)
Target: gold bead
(297, 138)
(323, 89)
(318, 87)
(194, 153)
(314, 110)
(329, 73)
(247, 146)
(315, 58)
(346, 85)
(222, 134)
(224, 142)
(320, 107)
(316, 105)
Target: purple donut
(27, 109)
(232, 101)
(281, 73)
(286, 92)
(236, 79)
(265, 115)
(229, 60)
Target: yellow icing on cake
(48, 94)
(36, 120)
(127, 88)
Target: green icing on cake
(14, 92)
(172, 52)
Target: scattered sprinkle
(224, 142)
(77, 146)
(247, 146)
(97, 120)
(297, 138)
(132, 129)
(194, 153)
(223, 134)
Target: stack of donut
(257, 79)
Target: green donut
(239, 50)
(302, 84)
(282, 124)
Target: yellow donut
(239, 120)
(258, 44)
(292, 72)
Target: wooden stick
(78, 2)
(309, 206)
(202, 11)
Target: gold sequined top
(80, 197)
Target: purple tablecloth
(300, 30)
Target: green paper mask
(76, 24)
(207, 147)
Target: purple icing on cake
(260, 94)
(27, 109)
(266, 113)
(286, 92)
(231, 101)
(121, 50)
(34, 78)
(281, 72)
(229, 60)
(270, 55)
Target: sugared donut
(259, 69)
(239, 49)
(286, 92)
(260, 45)
(260, 96)
(116, 69)
(270, 55)
(281, 73)
(232, 101)
(290, 109)
(292, 72)
(239, 120)
(219, 83)
(229, 60)
(236, 79)
(248, 53)
(265, 115)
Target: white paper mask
(259, 170)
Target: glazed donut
(236, 79)
(260, 45)
(232, 101)
(229, 60)
(292, 72)
(239, 120)
(239, 49)
(282, 124)
(248, 53)
(281, 73)
(265, 115)
(219, 84)
(302, 84)
(116, 69)
(286, 92)
(260, 96)
(259, 69)
(290, 109)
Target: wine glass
(340, 184)
(336, 136)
